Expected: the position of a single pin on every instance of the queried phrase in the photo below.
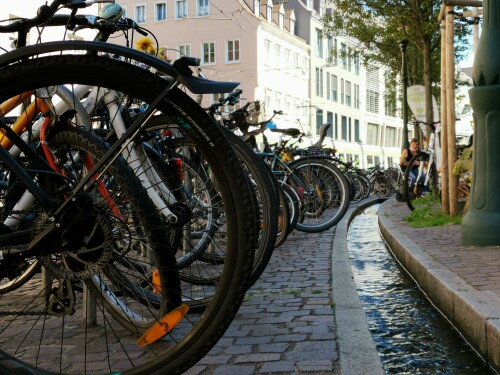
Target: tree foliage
(378, 27)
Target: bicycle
(117, 295)
(323, 188)
(155, 174)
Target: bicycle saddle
(293, 132)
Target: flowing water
(412, 337)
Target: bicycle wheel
(114, 343)
(326, 193)
(293, 204)
(110, 222)
(263, 184)
(367, 186)
(284, 219)
(382, 187)
(420, 179)
(263, 192)
(124, 289)
(357, 187)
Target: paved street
(286, 324)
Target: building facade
(278, 53)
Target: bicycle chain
(23, 313)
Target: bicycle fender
(315, 157)
(194, 84)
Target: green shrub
(428, 213)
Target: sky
(28, 8)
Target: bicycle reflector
(163, 326)
(271, 125)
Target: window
(356, 96)
(343, 121)
(203, 8)
(369, 160)
(277, 53)
(140, 13)
(348, 93)
(328, 91)
(267, 48)
(208, 53)
(269, 13)
(343, 55)
(336, 127)
(329, 50)
(288, 59)
(269, 98)
(341, 91)
(319, 82)
(334, 52)
(278, 101)
(357, 138)
(390, 136)
(160, 12)
(372, 134)
(349, 127)
(356, 63)
(319, 43)
(256, 7)
(372, 89)
(181, 10)
(319, 119)
(292, 26)
(333, 88)
(232, 51)
(184, 50)
(281, 20)
(329, 120)
(349, 59)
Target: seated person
(405, 158)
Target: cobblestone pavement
(286, 324)
(478, 266)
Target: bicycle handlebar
(46, 12)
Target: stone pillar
(481, 224)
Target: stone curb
(475, 314)
(357, 351)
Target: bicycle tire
(284, 218)
(419, 189)
(264, 194)
(197, 334)
(382, 187)
(326, 198)
(357, 187)
(125, 183)
(266, 199)
(292, 199)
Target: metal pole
(404, 75)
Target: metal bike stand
(46, 282)
(89, 309)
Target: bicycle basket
(247, 116)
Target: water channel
(411, 336)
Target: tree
(379, 25)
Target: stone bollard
(481, 224)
